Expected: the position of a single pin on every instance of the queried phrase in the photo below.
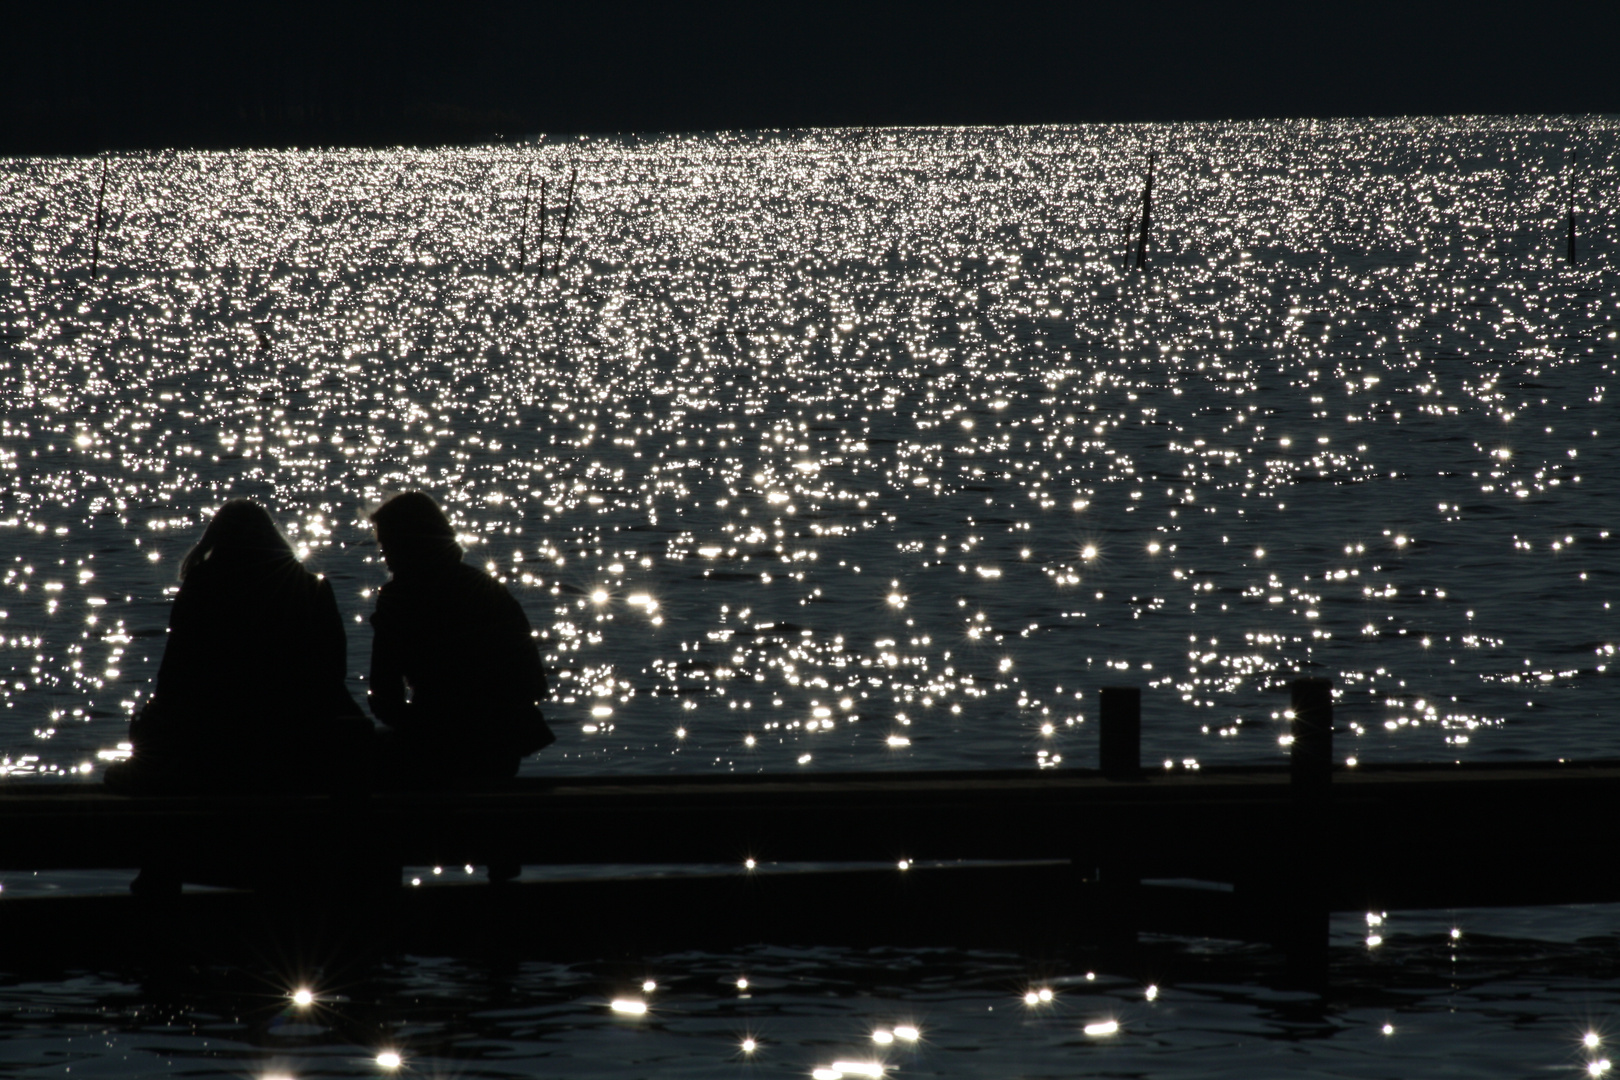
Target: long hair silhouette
(243, 534)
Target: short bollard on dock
(1304, 895)
(1310, 759)
(1119, 733)
(1118, 871)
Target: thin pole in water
(1569, 246)
(523, 233)
(541, 269)
(568, 212)
(95, 243)
(1147, 217)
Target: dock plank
(1391, 836)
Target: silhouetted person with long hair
(455, 670)
(250, 693)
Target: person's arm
(529, 674)
(386, 691)
(160, 722)
(331, 645)
(190, 653)
(329, 662)
(177, 643)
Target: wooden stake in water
(541, 269)
(568, 212)
(1147, 217)
(95, 243)
(523, 232)
(1569, 247)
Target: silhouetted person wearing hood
(455, 670)
(249, 694)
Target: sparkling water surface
(865, 450)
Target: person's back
(249, 694)
(253, 668)
(455, 670)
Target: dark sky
(86, 77)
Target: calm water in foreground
(858, 450)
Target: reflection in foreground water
(1430, 999)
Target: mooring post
(1304, 897)
(1119, 732)
(1310, 758)
(1118, 873)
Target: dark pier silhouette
(1260, 853)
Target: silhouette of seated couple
(250, 694)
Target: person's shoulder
(321, 586)
(390, 594)
(468, 576)
(489, 589)
(299, 580)
(210, 583)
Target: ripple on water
(854, 450)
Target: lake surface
(866, 450)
